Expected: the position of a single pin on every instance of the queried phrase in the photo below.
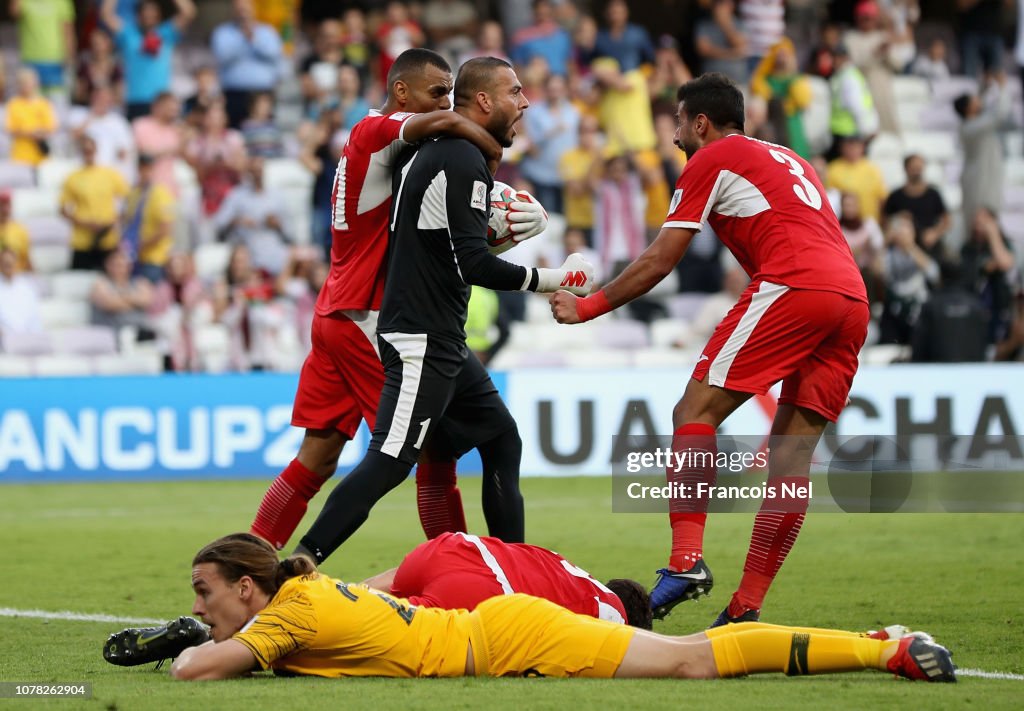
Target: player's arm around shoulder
(449, 123)
(214, 660)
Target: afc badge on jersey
(677, 197)
(479, 198)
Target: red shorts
(467, 580)
(807, 339)
(342, 377)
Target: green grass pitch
(125, 549)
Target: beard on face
(688, 148)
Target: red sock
(775, 530)
(688, 516)
(285, 503)
(438, 498)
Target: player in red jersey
(802, 320)
(341, 380)
(459, 571)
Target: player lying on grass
(453, 571)
(283, 615)
(459, 571)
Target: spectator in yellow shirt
(580, 170)
(89, 200)
(853, 173)
(624, 107)
(31, 120)
(12, 235)
(147, 224)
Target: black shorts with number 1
(434, 390)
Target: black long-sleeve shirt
(437, 249)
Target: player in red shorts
(341, 380)
(802, 320)
(459, 571)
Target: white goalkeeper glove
(527, 218)
(576, 275)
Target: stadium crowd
(167, 169)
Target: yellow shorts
(520, 635)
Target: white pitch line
(78, 616)
(981, 674)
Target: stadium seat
(598, 358)
(27, 203)
(931, 145)
(297, 203)
(211, 260)
(12, 366)
(25, 344)
(909, 115)
(624, 334)
(511, 358)
(15, 175)
(685, 306)
(664, 358)
(885, 145)
(552, 336)
(1013, 198)
(212, 342)
(61, 365)
(892, 172)
(538, 310)
(49, 258)
(1014, 171)
(667, 332)
(49, 230)
(940, 116)
(73, 285)
(52, 172)
(286, 173)
(949, 89)
(145, 363)
(1014, 143)
(1013, 225)
(44, 284)
(909, 88)
(816, 116)
(63, 313)
(885, 354)
(85, 340)
(952, 195)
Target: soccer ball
(499, 232)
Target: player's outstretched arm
(381, 581)
(449, 123)
(656, 262)
(214, 660)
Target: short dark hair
(716, 96)
(413, 61)
(960, 105)
(635, 600)
(474, 76)
(912, 156)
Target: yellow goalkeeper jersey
(321, 626)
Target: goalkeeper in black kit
(436, 393)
